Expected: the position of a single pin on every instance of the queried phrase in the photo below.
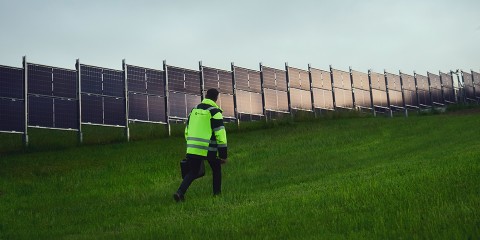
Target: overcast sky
(406, 35)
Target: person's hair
(212, 94)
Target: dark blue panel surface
(210, 78)
(92, 109)
(64, 83)
(424, 98)
(11, 82)
(136, 79)
(156, 108)
(66, 113)
(437, 96)
(113, 83)
(192, 82)
(449, 94)
(155, 82)
(177, 105)
(137, 107)
(176, 79)
(192, 101)
(410, 98)
(39, 80)
(12, 115)
(40, 111)
(114, 111)
(91, 79)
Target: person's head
(212, 94)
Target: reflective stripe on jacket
(205, 133)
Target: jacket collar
(211, 103)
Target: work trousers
(194, 164)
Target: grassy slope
(346, 178)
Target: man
(206, 140)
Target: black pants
(195, 168)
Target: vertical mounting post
(288, 90)
(125, 80)
(371, 92)
(403, 94)
(333, 88)
(235, 107)
(167, 108)
(79, 98)
(263, 92)
(25, 101)
(311, 90)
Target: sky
(421, 36)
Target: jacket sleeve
(186, 127)
(220, 134)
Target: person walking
(206, 140)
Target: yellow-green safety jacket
(205, 132)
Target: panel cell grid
(113, 83)
(249, 103)
(360, 80)
(155, 82)
(40, 80)
(91, 79)
(436, 96)
(467, 79)
(64, 117)
(12, 115)
(447, 80)
(380, 98)
(225, 102)
(422, 82)
(298, 79)
(11, 82)
(434, 81)
(269, 78)
(362, 98)
(40, 111)
(343, 98)
(424, 98)
(323, 98)
(378, 81)
(114, 111)
(393, 82)
(64, 83)
(219, 79)
(321, 79)
(341, 79)
(410, 98)
(301, 99)
(138, 106)
(247, 80)
(156, 109)
(92, 109)
(408, 82)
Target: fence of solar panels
(48, 97)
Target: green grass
(332, 178)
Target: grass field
(335, 178)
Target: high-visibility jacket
(205, 133)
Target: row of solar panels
(60, 98)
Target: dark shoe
(178, 197)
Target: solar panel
(12, 115)
(91, 79)
(39, 80)
(298, 78)
(136, 77)
(64, 83)
(378, 81)
(271, 99)
(449, 94)
(176, 80)
(362, 98)
(321, 79)
(447, 80)
(254, 81)
(113, 83)
(341, 80)
(393, 82)
(360, 80)
(300, 99)
(66, 114)
(395, 98)
(323, 98)
(422, 82)
(408, 82)
(192, 102)
(137, 106)
(434, 81)
(11, 82)
(241, 79)
(437, 95)
(177, 105)
(192, 82)
(210, 78)
(467, 79)
(92, 109)
(476, 79)
(156, 107)
(343, 98)
(410, 98)
(424, 98)
(268, 78)
(155, 82)
(225, 102)
(114, 111)
(380, 98)
(40, 111)
(225, 82)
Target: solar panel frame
(13, 115)
(11, 82)
(393, 82)
(408, 82)
(360, 80)
(422, 82)
(341, 79)
(298, 78)
(323, 99)
(300, 99)
(321, 79)
(434, 80)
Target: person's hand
(223, 161)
